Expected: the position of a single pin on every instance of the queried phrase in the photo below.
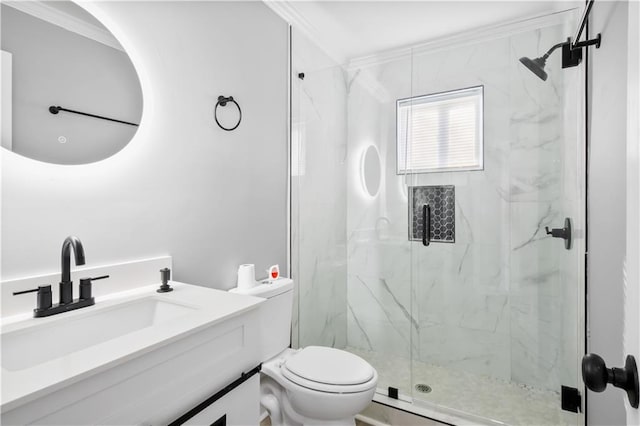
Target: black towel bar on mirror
(56, 109)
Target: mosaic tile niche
(442, 201)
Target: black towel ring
(222, 101)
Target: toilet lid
(330, 366)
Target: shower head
(536, 66)
(571, 51)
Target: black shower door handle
(426, 225)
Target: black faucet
(66, 285)
(45, 308)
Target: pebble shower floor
(482, 396)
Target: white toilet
(310, 386)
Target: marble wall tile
(484, 304)
(465, 297)
(535, 340)
(318, 198)
(537, 124)
(504, 299)
(477, 351)
(377, 299)
(378, 319)
(533, 252)
(535, 295)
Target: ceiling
(353, 29)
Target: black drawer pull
(222, 421)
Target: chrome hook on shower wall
(222, 101)
(571, 50)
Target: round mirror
(70, 94)
(371, 170)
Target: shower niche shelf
(441, 200)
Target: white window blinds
(441, 132)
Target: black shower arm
(575, 44)
(554, 47)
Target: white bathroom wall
(211, 199)
(318, 196)
(381, 317)
(607, 203)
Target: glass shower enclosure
(424, 185)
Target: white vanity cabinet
(232, 409)
(175, 367)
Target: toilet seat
(329, 370)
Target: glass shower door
(318, 197)
(483, 315)
(498, 302)
(380, 318)
(350, 256)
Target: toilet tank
(275, 315)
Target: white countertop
(210, 307)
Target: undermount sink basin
(26, 348)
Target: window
(440, 132)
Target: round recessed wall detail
(371, 171)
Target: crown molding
(40, 10)
(465, 38)
(287, 11)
